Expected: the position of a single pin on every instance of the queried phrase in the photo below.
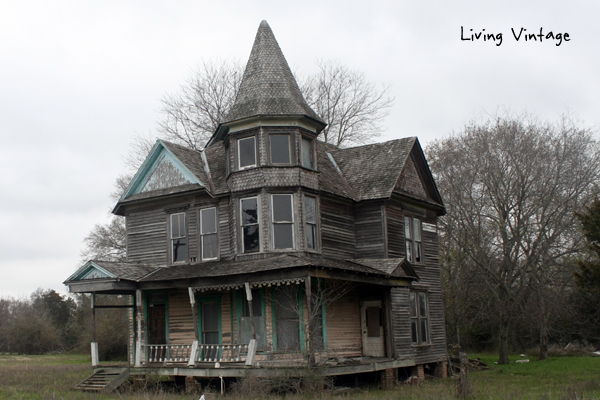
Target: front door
(372, 328)
(157, 332)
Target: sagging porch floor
(266, 369)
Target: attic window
(247, 152)
(178, 238)
(280, 149)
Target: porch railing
(196, 352)
(168, 353)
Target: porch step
(104, 380)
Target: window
(250, 225)
(283, 221)
(280, 149)
(178, 238)
(310, 222)
(208, 234)
(418, 318)
(412, 235)
(258, 319)
(247, 152)
(306, 151)
(287, 323)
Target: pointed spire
(268, 86)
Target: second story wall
(337, 228)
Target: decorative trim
(253, 285)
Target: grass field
(568, 378)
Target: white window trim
(239, 154)
(292, 222)
(202, 234)
(241, 225)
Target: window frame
(289, 137)
(419, 319)
(413, 246)
(239, 153)
(313, 225)
(172, 239)
(241, 224)
(292, 222)
(201, 235)
(311, 149)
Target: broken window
(412, 236)
(250, 225)
(178, 238)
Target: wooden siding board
(344, 336)
(337, 229)
(369, 230)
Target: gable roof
(95, 269)
(268, 86)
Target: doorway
(372, 328)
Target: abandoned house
(271, 249)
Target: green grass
(561, 378)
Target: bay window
(280, 149)
(306, 154)
(310, 222)
(247, 152)
(283, 221)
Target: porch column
(250, 311)
(138, 342)
(94, 344)
(194, 349)
(309, 321)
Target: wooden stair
(104, 380)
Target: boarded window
(178, 238)
(208, 233)
(286, 317)
(247, 152)
(250, 225)
(280, 149)
(283, 221)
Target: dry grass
(563, 378)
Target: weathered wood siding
(147, 236)
(369, 230)
(344, 336)
(429, 282)
(337, 228)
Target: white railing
(196, 352)
(167, 353)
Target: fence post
(463, 383)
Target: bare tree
(193, 114)
(511, 186)
(352, 106)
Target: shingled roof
(268, 86)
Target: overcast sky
(78, 80)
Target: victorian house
(271, 249)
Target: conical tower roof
(268, 86)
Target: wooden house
(271, 249)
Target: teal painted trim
(86, 268)
(158, 152)
(274, 326)
(134, 327)
(209, 299)
(238, 311)
(301, 317)
(231, 313)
